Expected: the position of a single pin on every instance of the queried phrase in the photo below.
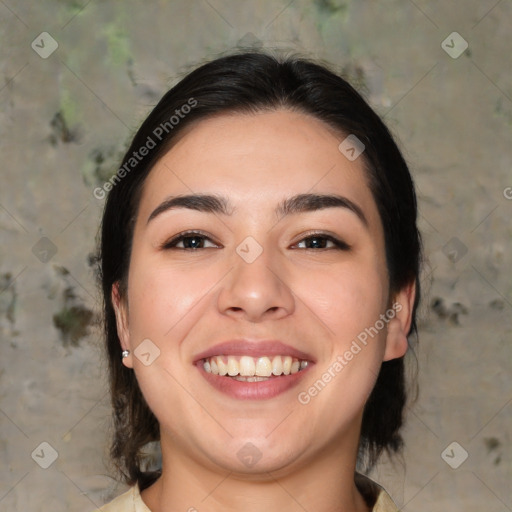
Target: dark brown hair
(248, 83)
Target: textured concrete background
(66, 116)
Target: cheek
(161, 297)
(349, 303)
(348, 300)
(162, 306)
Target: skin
(317, 300)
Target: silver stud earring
(125, 353)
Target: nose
(256, 291)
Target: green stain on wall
(118, 44)
(70, 107)
(73, 319)
(330, 7)
(73, 323)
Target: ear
(400, 323)
(121, 311)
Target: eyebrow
(296, 204)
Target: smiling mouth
(253, 369)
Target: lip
(262, 390)
(261, 348)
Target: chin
(256, 457)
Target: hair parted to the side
(250, 83)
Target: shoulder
(375, 495)
(130, 501)
(384, 503)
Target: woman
(259, 265)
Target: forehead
(257, 159)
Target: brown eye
(190, 240)
(322, 241)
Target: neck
(324, 485)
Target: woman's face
(301, 287)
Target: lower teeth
(250, 379)
(255, 378)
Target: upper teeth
(247, 366)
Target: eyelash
(171, 244)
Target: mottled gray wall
(66, 116)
